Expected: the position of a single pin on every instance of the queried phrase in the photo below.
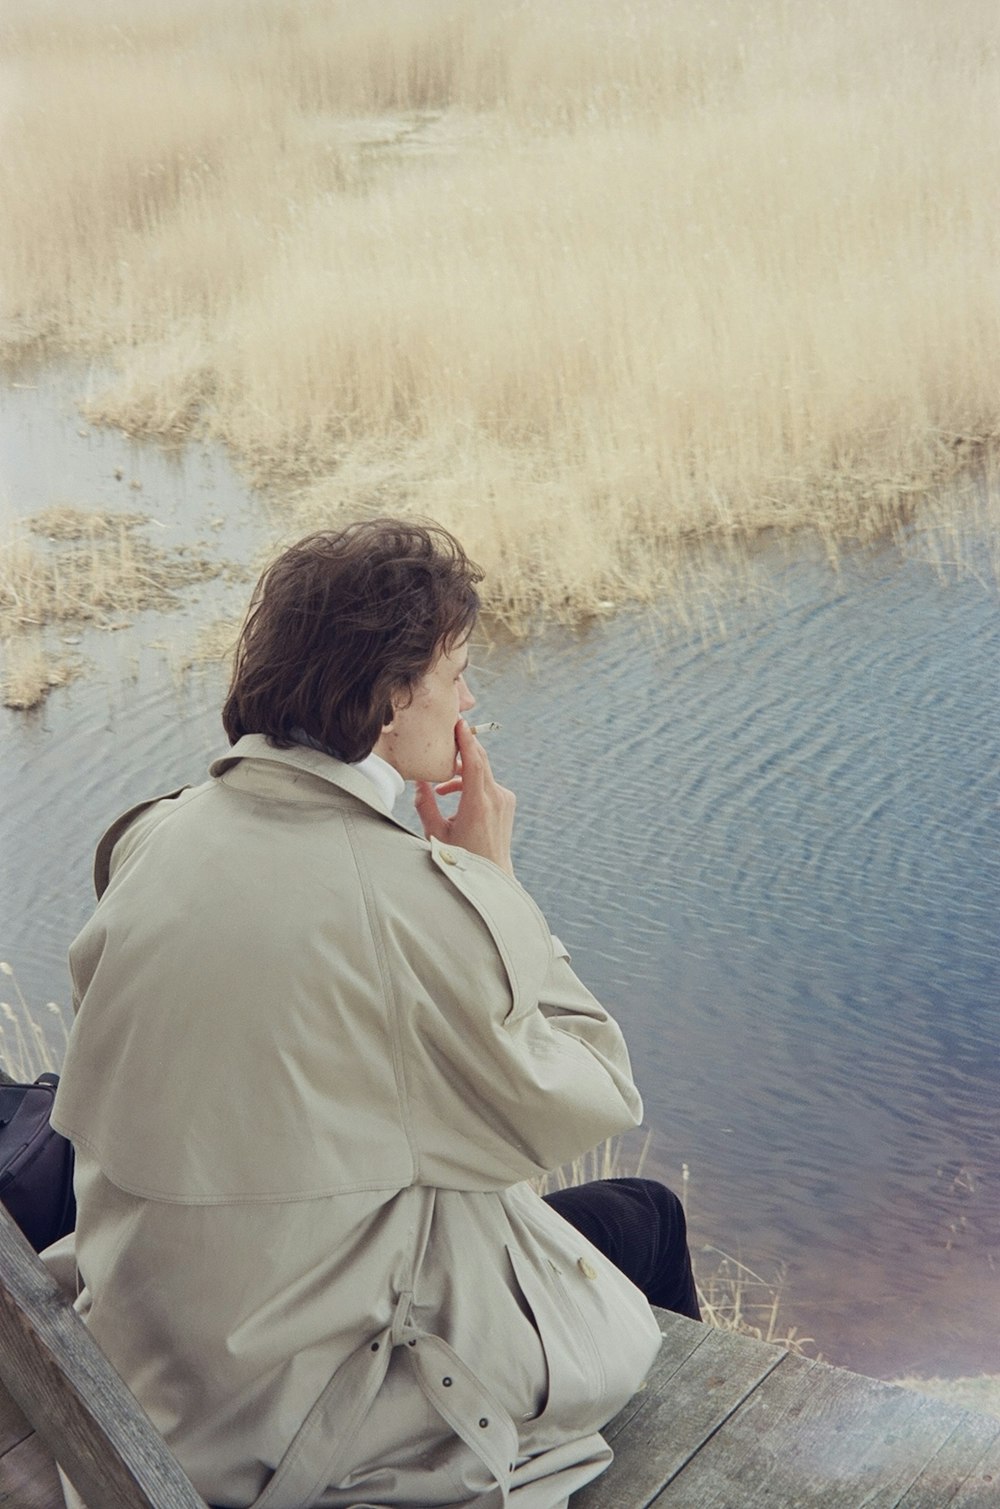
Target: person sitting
(316, 1062)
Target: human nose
(465, 698)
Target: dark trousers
(640, 1225)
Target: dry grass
(62, 521)
(25, 1049)
(110, 571)
(30, 671)
(215, 644)
(733, 1297)
(959, 535)
(582, 282)
(96, 571)
(69, 566)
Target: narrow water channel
(775, 854)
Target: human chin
(443, 766)
(439, 760)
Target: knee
(666, 1204)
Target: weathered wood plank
(67, 1388)
(709, 1477)
(723, 1422)
(680, 1340)
(28, 1477)
(813, 1434)
(981, 1487)
(676, 1414)
(13, 1425)
(961, 1467)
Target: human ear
(402, 696)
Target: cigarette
(483, 728)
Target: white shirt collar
(384, 777)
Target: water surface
(776, 855)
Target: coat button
(587, 1269)
(448, 857)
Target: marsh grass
(90, 569)
(30, 670)
(585, 283)
(734, 1297)
(63, 521)
(214, 644)
(959, 535)
(71, 567)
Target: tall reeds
(582, 281)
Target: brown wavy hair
(341, 625)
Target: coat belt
(315, 1456)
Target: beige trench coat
(315, 1058)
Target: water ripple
(776, 856)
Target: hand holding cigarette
(484, 818)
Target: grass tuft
(88, 570)
(30, 671)
(26, 1049)
(69, 566)
(733, 1297)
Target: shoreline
(976, 1392)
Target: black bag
(36, 1163)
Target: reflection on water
(776, 855)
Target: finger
(464, 737)
(432, 819)
(447, 787)
(470, 752)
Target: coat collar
(257, 748)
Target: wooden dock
(724, 1422)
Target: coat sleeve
(511, 1067)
